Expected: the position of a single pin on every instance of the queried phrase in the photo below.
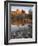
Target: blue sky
(13, 8)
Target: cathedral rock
(20, 17)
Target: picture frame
(7, 26)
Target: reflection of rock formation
(21, 31)
(20, 17)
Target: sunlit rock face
(18, 12)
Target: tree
(30, 14)
(30, 11)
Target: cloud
(13, 8)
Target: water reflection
(21, 31)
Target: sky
(13, 8)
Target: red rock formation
(19, 21)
